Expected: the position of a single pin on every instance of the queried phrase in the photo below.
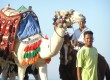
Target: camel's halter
(58, 34)
(61, 22)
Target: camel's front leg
(43, 72)
(12, 76)
(36, 76)
(21, 72)
(4, 70)
(4, 74)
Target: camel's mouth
(62, 22)
(69, 27)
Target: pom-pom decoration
(61, 17)
(31, 54)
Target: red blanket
(8, 29)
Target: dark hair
(88, 32)
(84, 19)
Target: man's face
(88, 38)
(81, 25)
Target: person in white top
(78, 34)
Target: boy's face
(88, 38)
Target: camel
(103, 67)
(7, 65)
(38, 50)
(103, 71)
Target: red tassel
(48, 60)
(33, 46)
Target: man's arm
(79, 73)
(74, 36)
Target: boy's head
(88, 38)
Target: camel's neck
(50, 48)
(57, 40)
(58, 33)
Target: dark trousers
(64, 72)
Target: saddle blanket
(29, 25)
(8, 30)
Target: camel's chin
(45, 52)
(49, 49)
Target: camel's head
(65, 19)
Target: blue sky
(97, 13)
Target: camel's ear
(30, 8)
(7, 6)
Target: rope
(58, 34)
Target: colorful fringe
(30, 61)
(33, 54)
(30, 58)
(33, 46)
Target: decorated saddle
(8, 29)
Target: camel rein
(58, 34)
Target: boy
(87, 59)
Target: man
(78, 34)
(87, 59)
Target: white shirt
(76, 48)
(79, 35)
